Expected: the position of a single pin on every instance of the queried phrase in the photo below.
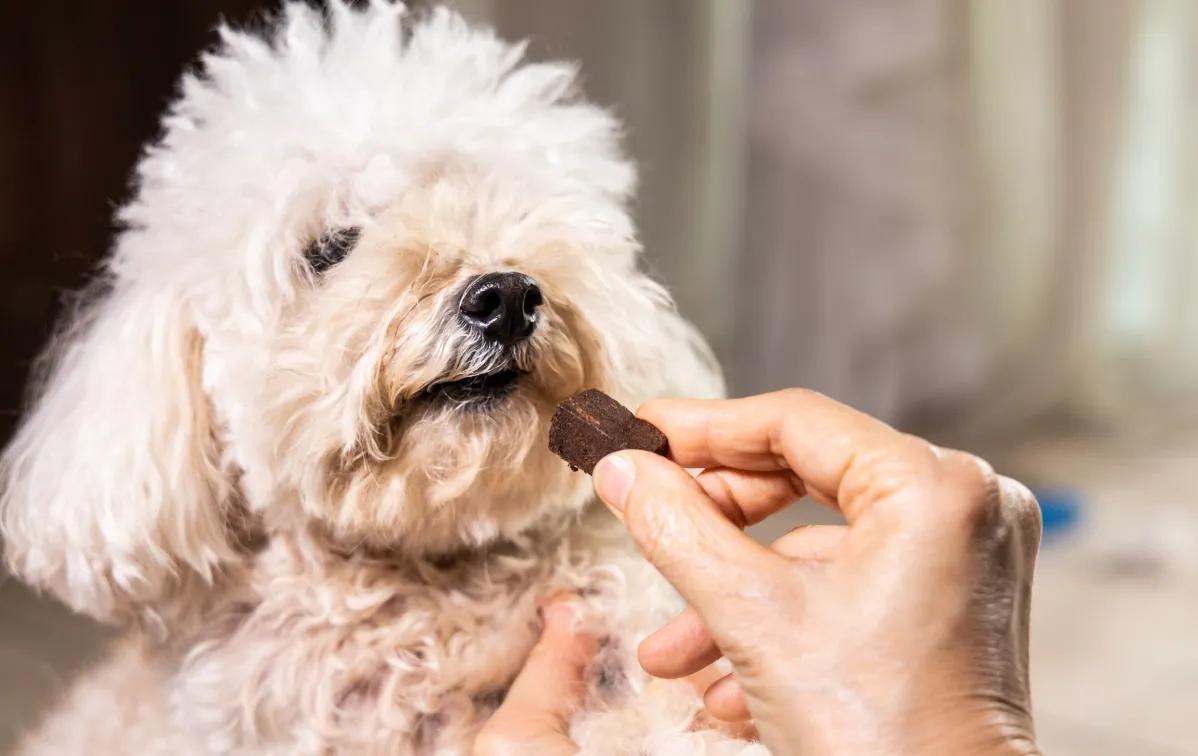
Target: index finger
(837, 451)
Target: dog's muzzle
(501, 310)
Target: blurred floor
(42, 646)
(1114, 660)
(1115, 613)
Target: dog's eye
(330, 248)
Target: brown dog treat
(590, 425)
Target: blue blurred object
(1060, 510)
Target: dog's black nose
(502, 305)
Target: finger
(813, 543)
(839, 453)
(550, 685)
(679, 648)
(726, 700)
(535, 713)
(701, 681)
(681, 531)
(746, 497)
(684, 645)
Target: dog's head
(363, 263)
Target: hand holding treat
(904, 631)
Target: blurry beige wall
(952, 214)
(1083, 149)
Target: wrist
(993, 727)
(839, 722)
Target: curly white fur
(236, 457)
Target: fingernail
(613, 480)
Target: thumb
(683, 533)
(534, 717)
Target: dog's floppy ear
(111, 493)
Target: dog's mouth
(477, 391)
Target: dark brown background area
(81, 88)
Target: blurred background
(978, 220)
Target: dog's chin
(476, 392)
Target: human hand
(534, 717)
(904, 631)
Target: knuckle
(919, 451)
(973, 477)
(648, 527)
(672, 536)
(969, 488)
(889, 473)
(726, 493)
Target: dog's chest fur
(363, 651)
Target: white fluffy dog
(295, 438)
